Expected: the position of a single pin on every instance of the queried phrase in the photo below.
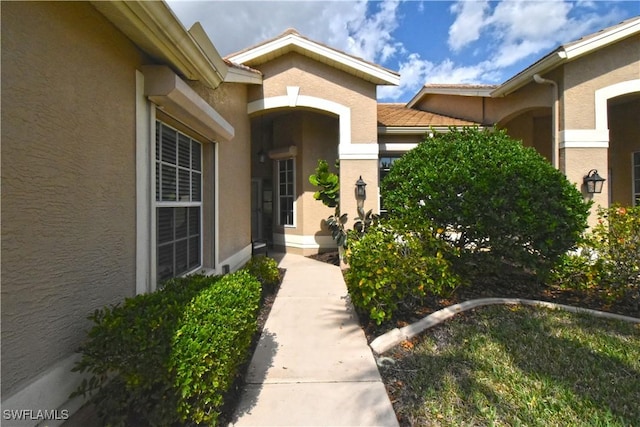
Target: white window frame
(175, 204)
(635, 178)
(279, 162)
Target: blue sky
(475, 41)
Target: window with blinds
(178, 202)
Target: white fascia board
(455, 91)
(153, 27)
(164, 88)
(200, 36)
(380, 75)
(411, 130)
(525, 77)
(601, 40)
(235, 75)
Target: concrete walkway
(312, 366)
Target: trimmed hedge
(168, 357)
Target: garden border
(395, 336)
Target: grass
(518, 366)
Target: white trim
(354, 65)
(364, 151)
(343, 113)
(603, 95)
(417, 130)
(303, 241)
(216, 211)
(49, 392)
(584, 138)
(237, 75)
(389, 147)
(292, 94)
(602, 39)
(153, 267)
(278, 195)
(143, 189)
(164, 88)
(236, 260)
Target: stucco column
(350, 171)
(576, 163)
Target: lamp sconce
(361, 191)
(262, 156)
(593, 182)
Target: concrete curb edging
(395, 336)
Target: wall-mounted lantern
(262, 156)
(361, 192)
(593, 182)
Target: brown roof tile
(398, 115)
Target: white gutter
(554, 117)
(153, 27)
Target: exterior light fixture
(361, 192)
(262, 156)
(593, 182)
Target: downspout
(554, 117)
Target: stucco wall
(320, 141)
(68, 179)
(322, 81)
(234, 167)
(614, 64)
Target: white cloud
(357, 27)
(469, 21)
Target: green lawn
(519, 366)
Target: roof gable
(292, 41)
(569, 52)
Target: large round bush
(488, 195)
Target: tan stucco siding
(576, 162)
(320, 142)
(322, 81)
(68, 179)
(234, 168)
(610, 65)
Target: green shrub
(492, 197)
(167, 357)
(391, 269)
(608, 258)
(212, 341)
(266, 270)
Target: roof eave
(525, 77)
(419, 130)
(154, 28)
(569, 52)
(456, 91)
(375, 74)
